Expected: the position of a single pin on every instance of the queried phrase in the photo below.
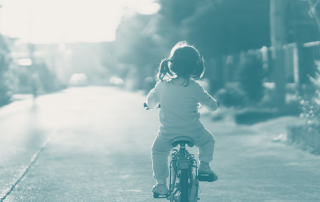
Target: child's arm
(205, 99)
(153, 98)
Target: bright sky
(55, 21)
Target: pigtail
(163, 70)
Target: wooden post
(296, 65)
(277, 28)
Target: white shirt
(179, 114)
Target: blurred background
(260, 55)
(255, 51)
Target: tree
(251, 75)
(137, 48)
(5, 93)
(215, 27)
(228, 26)
(315, 10)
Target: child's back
(179, 114)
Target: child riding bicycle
(179, 95)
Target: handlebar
(159, 106)
(147, 107)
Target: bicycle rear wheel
(184, 185)
(193, 196)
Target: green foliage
(305, 137)
(178, 10)
(215, 27)
(228, 26)
(5, 93)
(311, 110)
(310, 105)
(231, 96)
(251, 75)
(48, 80)
(138, 49)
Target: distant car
(116, 81)
(79, 79)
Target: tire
(172, 184)
(193, 197)
(184, 193)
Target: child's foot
(161, 189)
(205, 173)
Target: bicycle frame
(183, 165)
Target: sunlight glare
(25, 62)
(149, 9)
(56, 21)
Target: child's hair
(184, 61)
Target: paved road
(93, 144)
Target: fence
(231, 62)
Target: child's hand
(146, 106)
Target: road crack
(27, 168)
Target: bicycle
(184, 178)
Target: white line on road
(32, 161)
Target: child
(179, 95)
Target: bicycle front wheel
(184, 185)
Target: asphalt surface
(93, 144)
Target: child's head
(184, 61)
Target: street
(94, 144)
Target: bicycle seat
(182, 139)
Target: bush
(5, 93)
(310, 105)
(49, 81)
(251, 75)
(255, 115)
(307, 136)
(231, 96)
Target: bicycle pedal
(206, 177)
(156, 195)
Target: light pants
(161, 149)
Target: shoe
(160, 191)
(205, 173)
